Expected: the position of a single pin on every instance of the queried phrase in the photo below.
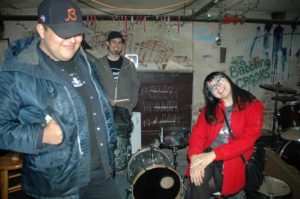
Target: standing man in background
(119, 77)
(54, 111)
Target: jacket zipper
(116, 81)
(78, 138)
(95, 85)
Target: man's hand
(52, 133)
(111, 101)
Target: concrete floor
(124, 184)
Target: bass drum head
(143, 159)
(157, 181)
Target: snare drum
(174, 136)
(151, 175)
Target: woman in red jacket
(210, 141)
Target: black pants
(207, 187)
(100, 187)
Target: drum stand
(277, 88)
(174, 152)
(275, 131)
(128, 192)
(275, 113)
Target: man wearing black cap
(118, 74)
(119, 77)
(54, 111)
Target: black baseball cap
(62, 16)
(115, 34)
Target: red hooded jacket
(246, 126)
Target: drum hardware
(152, 154)
(278, 88)
(128, 192)
(173, 137)
(174, 153)
(284, 98)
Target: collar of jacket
(23, 56)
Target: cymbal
(274, 187)
(284, 98)
(291, 134)
(278, 87)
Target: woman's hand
(198, 165)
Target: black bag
(217, 167)
(124, 126)
(122, 121)
(254, 168)
(122, 153)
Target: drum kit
(287, 136)
(150, 171)
(153, 175)
(288, 117)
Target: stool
(9, 162)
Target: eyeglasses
(219, 81)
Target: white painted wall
(192, 47)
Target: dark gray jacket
(127, 86)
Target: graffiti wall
(256, 54)
(253, 54)
(159, 45)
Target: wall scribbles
(249, 73)
(165, 99)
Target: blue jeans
(100, 187)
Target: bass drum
(151, 176)
(290, 153)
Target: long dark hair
(241, 98)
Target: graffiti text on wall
(152, 51)
(249, 73)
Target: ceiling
(286, 11)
